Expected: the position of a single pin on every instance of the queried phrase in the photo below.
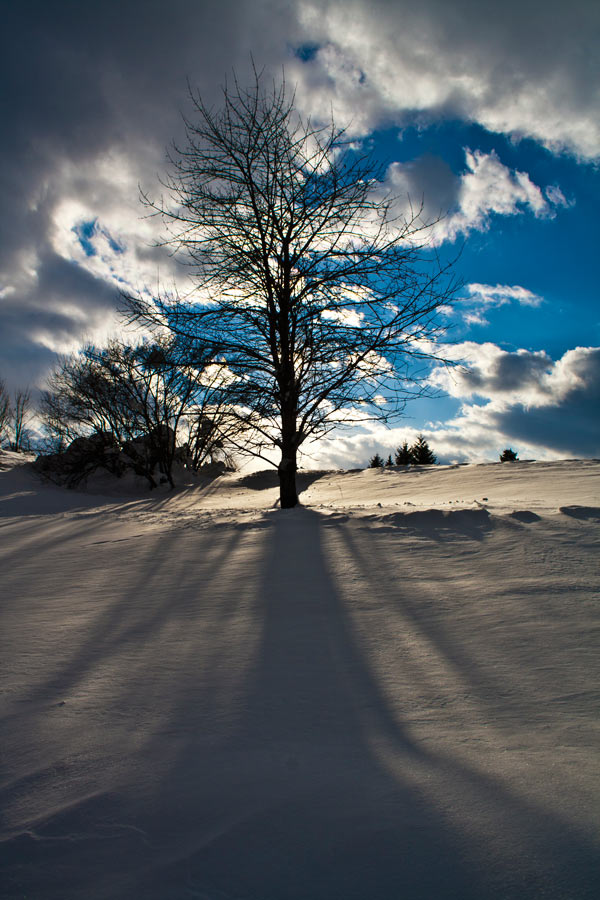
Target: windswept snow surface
(389, 692)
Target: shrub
(508, 455)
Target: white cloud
(525, 396)
(514, 69)
(487, 371)
(349, 317)
(480, 297)
(474, 317)
(466, 202)
(374, 365)
(98, 223)
(489, 187)
(499, 294)
(556, 197)
(545, 409)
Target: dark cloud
(506, 373)
(525, 398)
(66, 282)
(63, 306)
(85, 83)
(429, 181)
(571, 424)
(91, 87)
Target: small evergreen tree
(389, 461)
(508, 455)
(422, 453)
(376, 462)
(404, 455)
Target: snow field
(205, 696)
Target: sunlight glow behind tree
(317, 298)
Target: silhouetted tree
(86, 394)
(21, 413)
(5, 410)
(389, 461)
(404, 455)
(376, 462)
(421, 452)
(309, 287)
(508, 455)
(142, 396)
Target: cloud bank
(517, 68)
(94, 94)
(544, 409)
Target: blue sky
(490, 112)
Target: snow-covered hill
(389, 692)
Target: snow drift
(390, 691)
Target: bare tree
(317, 297)
(214, 428)
(5, 410)
(170, 385)
(83, 396)
(20, 418)
(142, 396)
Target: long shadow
(437, 524)
(269, 478)
(282, 792)
(300, 806)
(120, 615)
(323, 817)
(543, 854)
(134, 647)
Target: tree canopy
(314, 294)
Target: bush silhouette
(508, 455)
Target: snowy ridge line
(535, 486)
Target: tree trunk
(288, 495)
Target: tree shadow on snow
(279, 768)
(334, 797)
(269, 478)
(313, 812)
(435, 524)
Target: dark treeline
(420, 454)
